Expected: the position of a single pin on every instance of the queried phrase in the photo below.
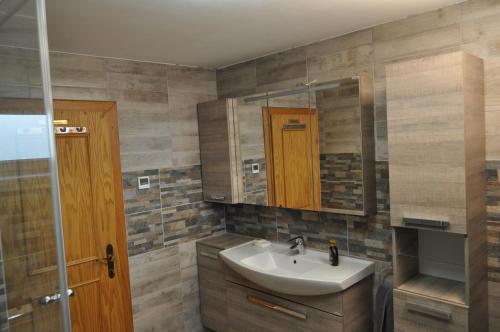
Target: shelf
(440, 288)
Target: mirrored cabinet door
(252, 150)
(291, 144)
(346, 145)
(309, 148)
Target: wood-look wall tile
(282, 70)
(492, 120)
(76, 62)
(121, 81)
(237, 80)
(419, 23)
(16, 66)
(422, 44)
(476, 9)
(137, 161)
(341, 43)
(136, 96)
(156, 290)
(79, 93)
(134, 67)
(186, 88)
(77, 78)
(494, 305)
(340, 64)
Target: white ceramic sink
(276, 269)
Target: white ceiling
(212, 33)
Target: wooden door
(93, 218)
(292, 154)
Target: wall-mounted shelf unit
(430, 263)
(435, 116)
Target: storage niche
(430, 263)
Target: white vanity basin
(276, 269)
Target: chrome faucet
(298, 246)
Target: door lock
(109, 260)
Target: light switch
(255, 168)
(143, 182)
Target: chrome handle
(217, 197)
(277, 308)
(428, 311)
(440, 224)
(209, 255)
(48, 299)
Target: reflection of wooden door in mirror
(291, 145)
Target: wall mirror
(308, 148)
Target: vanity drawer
(208, 257)
(251, 310)
(413, 312)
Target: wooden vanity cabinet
(212, 285)
(219, 152)
(229, 302)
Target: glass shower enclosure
(32, 267)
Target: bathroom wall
(158, 138)
(473, 26)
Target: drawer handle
(440, 224)
(428, 311)
(217, 197)
(275, 307)
(209, 255)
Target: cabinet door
(219, 151)
(212, 289)
(251, 310)
(435, 140)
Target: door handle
(110, 260)
(56, 297)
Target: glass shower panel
(30, 256)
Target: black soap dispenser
(334, 253)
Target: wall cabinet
(219, 151)
(436, 162)
(311, 148)
(231, 303)
(435, 123)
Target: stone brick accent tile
(180, 186)
(370, 237)
(493, 251)
(341, 181)
(252, 220)
(191, 221)
(317, 228)
(145, 231)
(382, 185)
(140, 200)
